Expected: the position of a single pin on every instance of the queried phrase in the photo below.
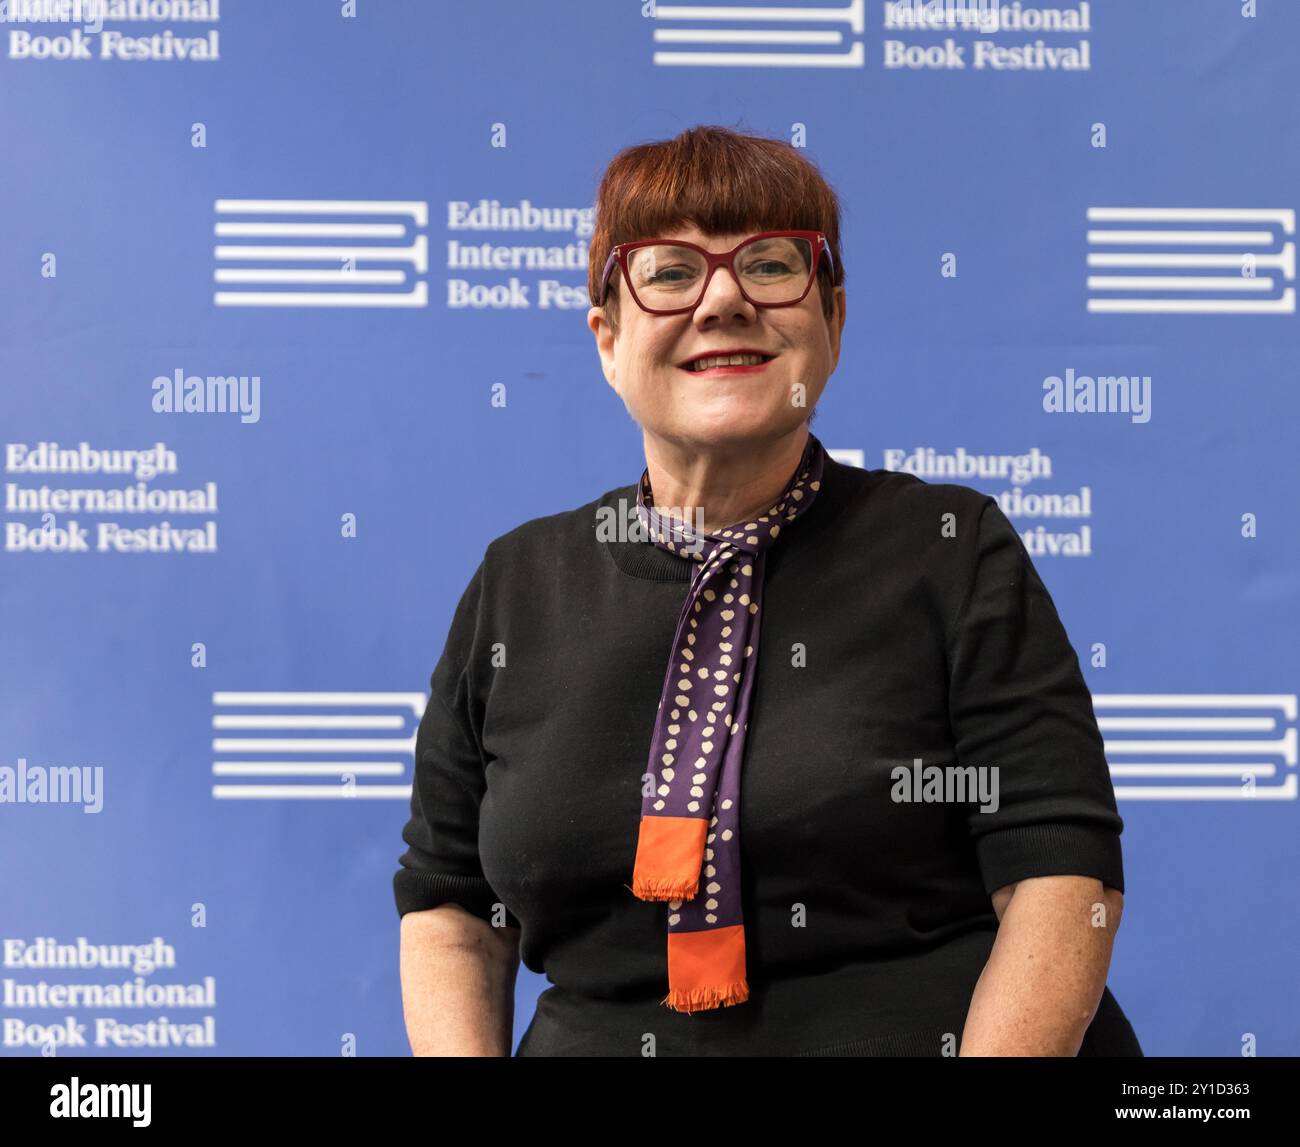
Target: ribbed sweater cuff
(416, 890)
(1013, 854)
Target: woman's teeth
(730, 360)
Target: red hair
(724, 182)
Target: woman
(893, 833)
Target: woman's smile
(723, 363)
(721, 371)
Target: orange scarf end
(665, 888)
(669, 856)
(706, 969)
(702, 999)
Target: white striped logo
(699, 41)
(321, 253)
(1200, 746)
(315, 746)
(1210, 261)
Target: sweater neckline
(645, 560)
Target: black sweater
(902, 619)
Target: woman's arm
(1047, 971)
(458, 983)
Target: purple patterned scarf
(690, 818)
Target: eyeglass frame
(618, 255)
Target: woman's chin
(730, 395)
(718, 426)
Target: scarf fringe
(702, 999)
(665, 888)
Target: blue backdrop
(359, 225)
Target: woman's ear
(838, 316)
(605, 334)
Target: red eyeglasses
(669, 276)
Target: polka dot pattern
(699, 738)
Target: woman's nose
(722, 296)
